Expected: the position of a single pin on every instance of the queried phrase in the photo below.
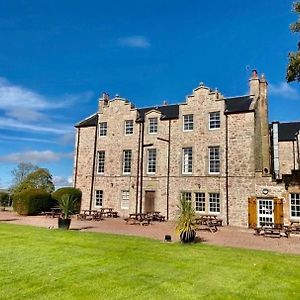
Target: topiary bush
(70, 191)
(31, 202)
(4, 199)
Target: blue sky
(57, 57)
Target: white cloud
(136, 41)
(60, 181)
(34, 156)
(9, 123)
(25, 139)
(284, 90)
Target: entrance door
(265, 211)
(149, 201)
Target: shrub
(31, 202)
(70, 191)
(4, 199)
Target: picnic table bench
(273, 230)
(138, 218)
(208, 222)
(53, 213)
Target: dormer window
(188, 122)
(214, 120)
(103, 129)
(152, 125)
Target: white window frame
(100, 162)
(103, 129)
(214, 200)
(294, 197)
(188, 122)
(186, 195)
(200, 201)
(98, 198)
(214, 160)
(125, 199)
(214, 120)
(128, 127)
(187, 160)
(153, 125)
(126, 162)
(151, 160)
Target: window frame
(128, 126)
(187, 161)
(124, 161)
(100, 163)
(297, 204)
(217, 203)
(214, 122)
(202, 197)
(125, 199)
(214, 161)
(186, 122)
(98, 196)
(189, 199)
(151, 162)
(102, 129)
(153, 127)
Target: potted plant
(186, 226)
(67, 204)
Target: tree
(21, 172)
(38, 179)
(293, 69)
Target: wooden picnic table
(54, 212)
(138, 218)
(90, 214)
(156, 216)
(270, 229)
(210, 222)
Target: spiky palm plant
(186, 226)
(67, 203)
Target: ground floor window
(98, 198)
(203, 203)
(125, 200)
(200, 202)
(186, 196)
(295, 205)
(214, 202)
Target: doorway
(149, 201)
(265, 211)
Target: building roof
(90, 121)
(168, 112)
(287, 131)
(238, 104)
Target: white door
(265, 211)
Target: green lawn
(38, 263)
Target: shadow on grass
(8, 220)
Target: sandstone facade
(215, 151)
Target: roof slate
(238, 104)
(168, 112)
(88, 122)
(287, 131)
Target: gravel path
(226, 236)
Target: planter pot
(188, 236)
(64, 223)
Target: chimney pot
(254, 74)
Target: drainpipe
(76, 157)
(298, 154)
(142, 167)
(168, 174)
(275, 150)
(226, 171)
(138, 172)
(94, 163)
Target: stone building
(220, 153)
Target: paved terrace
(226, 236)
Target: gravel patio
(226, 236)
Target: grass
(38, 263)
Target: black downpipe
(77, 151)
(294, 156)
(168, 174)
(138, 172)
(226, 172)
(142, 169)
(298, 154)
(94, 163)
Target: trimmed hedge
(31, 202)
(4, 199)
(76, 193)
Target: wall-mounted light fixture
(265, 191)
